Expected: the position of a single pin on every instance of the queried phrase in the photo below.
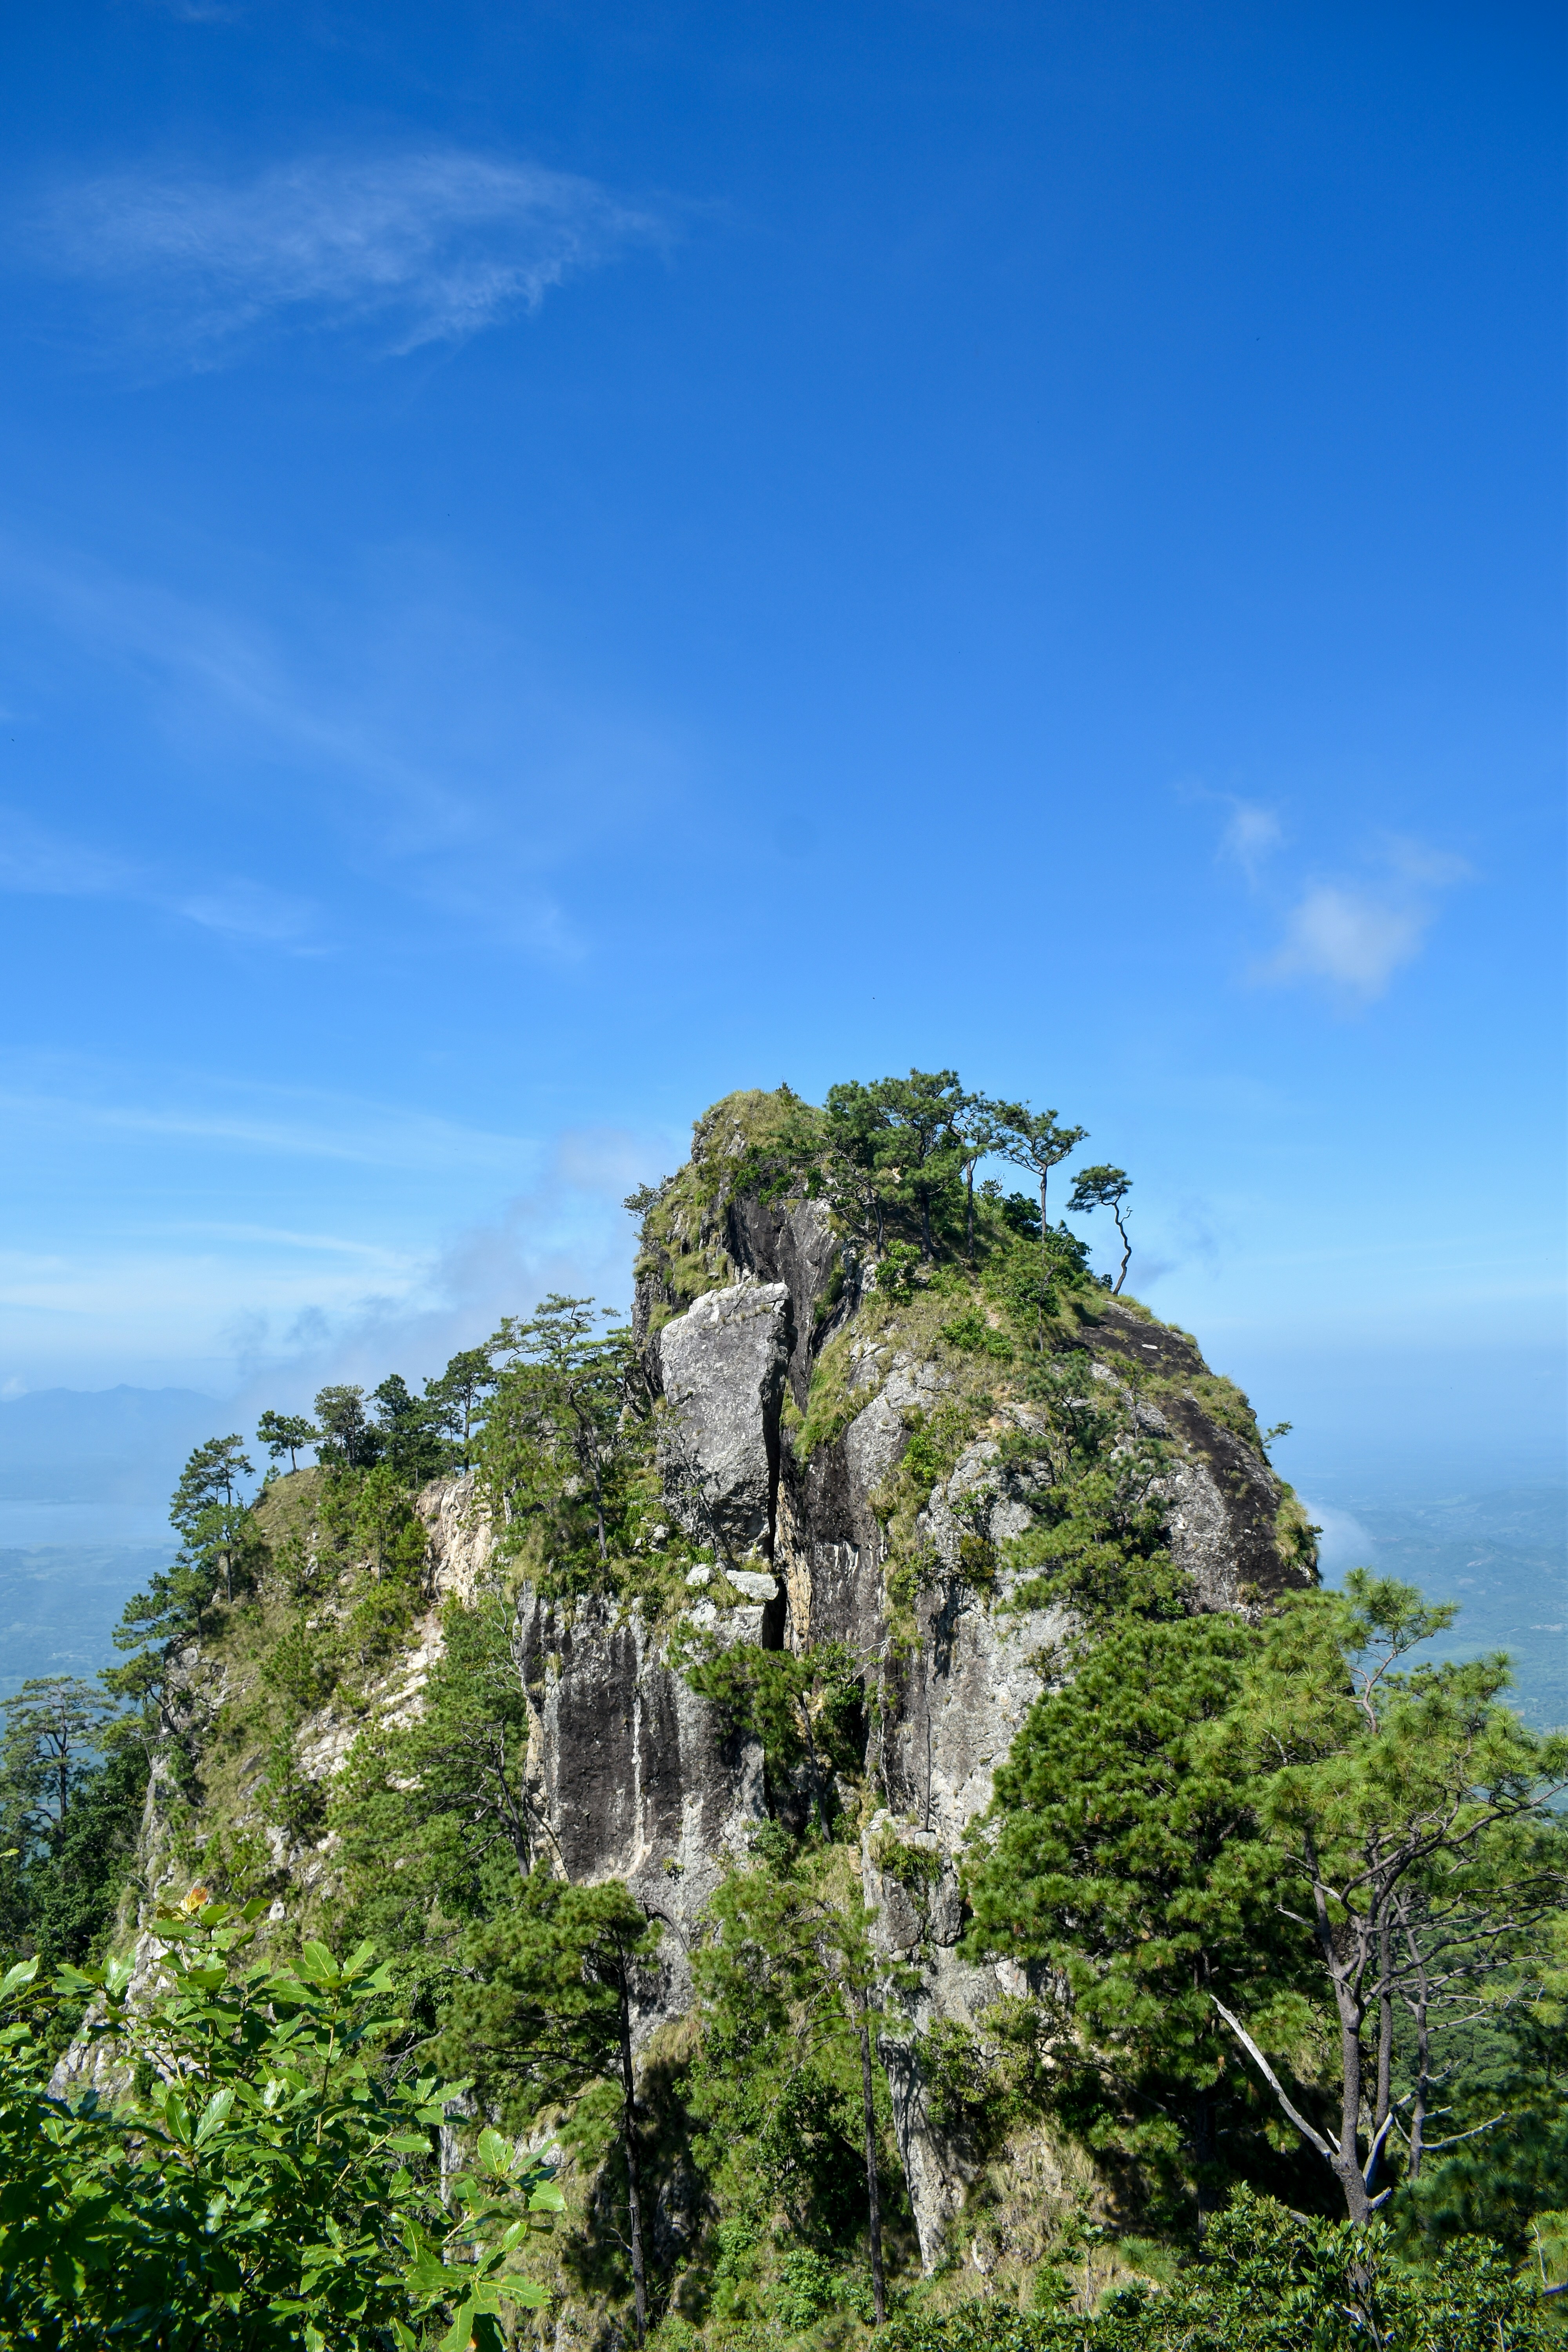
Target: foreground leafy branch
(263, 2180)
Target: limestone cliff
(957, 1663)
(857, 1459)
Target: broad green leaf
(215, 2114)
(547, 2198)
(459, 2335)
(15, 1977)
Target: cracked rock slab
(722, 1367)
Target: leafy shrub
(266, 2182)
(1274, 2281)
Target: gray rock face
(829, 1544)
(1224, 1498)
(721, 1367)
(792, 1243)
(627, 1775)
(980, 1664)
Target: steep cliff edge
(844, 1446)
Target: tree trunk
(1126, 1250)
(599, 1510)
(1384, 2051)
(1357, 2202)
(1423, 2069)
(633, 2175)
(1203, 2159)
(873, 2196)
(969, 1216)
(925, 1224)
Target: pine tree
(549, 2011)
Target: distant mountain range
(100, 1445)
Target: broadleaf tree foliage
(268, 2182)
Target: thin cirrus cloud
(1251, 835)
(419, 247)
(478, 763)
(36, 862)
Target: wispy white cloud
(36, 862)
(199, 12)
(39, 863)
(484, 769)
(1349, 933)
(278, 1312)
(251, 910)
(1352, 938)
(566, 1230)
(1251, 835)
(298, 1123)
(415, 247)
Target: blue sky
(555, 563)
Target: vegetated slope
(744, 1610)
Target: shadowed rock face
(627, 1774)
(1224, 1499)
(792, 1243)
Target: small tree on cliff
(920, 1151)
(558, 1433)
(1036, 1140)
(350, 1438)
(857, 1125)
(1104, 1188)
(412, 1442)
(206, 1509)
(977, 1130)
(548, 2011)
(457, 1399)
(285, 1432)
